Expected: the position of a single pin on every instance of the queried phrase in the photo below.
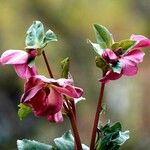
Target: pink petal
(134, 55)
(45, 79)
(109, 56)
(110, 75)
(14, 57)
(31, 93)
(38, 103)
(69, 90)
(130, 60)
(129, 67)
(24, 71)
(56, 117)
(142, 41)
(61, 82)
(31, 82)
(54, 102)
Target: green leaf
(97, 48)
(126, 45)
(36, 37)
(103, 36)
(66, 142)
(33, 145)
(123, 45)
(23, 111)
(103, 109)
(117, 67)
(111, 137)
(115, 46)
(65, 67)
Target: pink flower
(21, 61)
(128, 61)
(45, 96)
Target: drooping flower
(45, 96)
(128, 64)
(22, 61)
(117, 58)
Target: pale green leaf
(103, 36)
(33, 145)
(23, 111)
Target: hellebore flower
(22, 61)
(124, 63)
(45, 96)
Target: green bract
(124, 45)
(23, 111)
(36, 37)
(66, 142)
(103, 36)
(65, 67)
(98, 49)
(110, 137)
(100, 63)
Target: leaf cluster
(111, 137)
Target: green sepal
(117, 67)
(124, 45)
(97, 48)
(103, 36)
(36, 37)
(65, 63)
(23, 111)
(111, 137)
(33, 145)
(100, 63)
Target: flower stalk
(70, 109)
(96, 120)
(47, 64)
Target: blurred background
(127, 99)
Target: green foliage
(100, 63)
(66, 142)
(32, 145)
(124, 45)
(23, 111)
(103, 36)
(97, 48)
(36, 37)
(117, 67)
(111, 137)
(65, 67)
(103, 109)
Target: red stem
(47, 64)
(98, 110)
(71, 116)
(70, 113)
(74, 109)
